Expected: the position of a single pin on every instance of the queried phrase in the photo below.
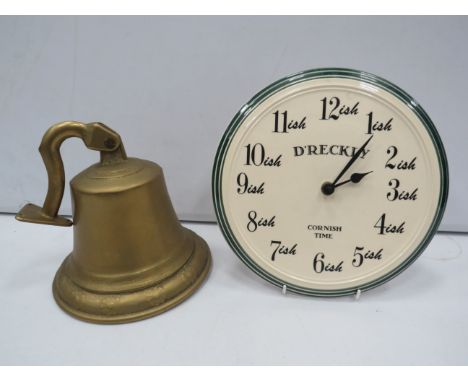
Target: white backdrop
(170, 86)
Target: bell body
(131, 257)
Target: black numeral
(402, 164)
(380, 225)
(285, 122)
(377, 125)
(246, 188)
(399, 194)
(335, 110)
(254, 223)
(255, 154)
(392, 151)
(388, 228)
(360, 255)
(394, 184)
(320, 265)
(282, 249)
(334, 102)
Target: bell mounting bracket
(96, 136)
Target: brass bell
(131, 257)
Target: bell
(131, 257)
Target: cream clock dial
(330, 181)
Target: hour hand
(329, 188)
(355, 178)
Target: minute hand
(352, 160)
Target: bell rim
(183, 292)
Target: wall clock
(329, 182)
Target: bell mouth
(133, 305)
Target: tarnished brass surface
(131, 257)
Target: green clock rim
(290, 81)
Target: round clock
(329, 182)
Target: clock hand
(329, 188)
(351, 161)
(355, 178)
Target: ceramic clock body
(330, 181)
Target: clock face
(330, 181)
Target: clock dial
(330, 181)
